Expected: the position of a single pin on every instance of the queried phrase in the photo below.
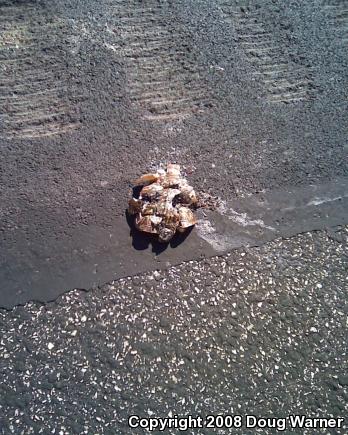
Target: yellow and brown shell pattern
(165, 204)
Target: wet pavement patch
(90, 256)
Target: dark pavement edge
(90, 256)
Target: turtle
(165, 205)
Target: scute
(146, 179)
(187, 218)
(165, 204)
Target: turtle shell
(165, 203)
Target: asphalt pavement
(260, 331)
(248, 97)
(246, 315)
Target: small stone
(164, 322)
(157, 275)
(216, 271)
(50, 346)
(257, 297)
(136, 281)
(148, 285)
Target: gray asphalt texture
(246, 96)
(259, 331)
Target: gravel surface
(261, 331)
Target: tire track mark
(337, 14)
(285, 81)
(163, 76)
(35, 91)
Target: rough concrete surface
(247, 96)
(259, 331)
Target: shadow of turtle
(142, 240)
